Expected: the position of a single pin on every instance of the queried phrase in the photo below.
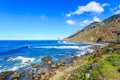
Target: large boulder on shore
(46, 59)
(61, 62)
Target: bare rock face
(105, 31)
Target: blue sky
(50, 19)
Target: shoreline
(60, 65)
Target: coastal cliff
(106, 31)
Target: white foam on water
(24, 62)
(87, 50)
(14, 68)
(23, 59)
(63, 47)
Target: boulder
(5, 75)
(50, 62)
(62, 61)
(46, 59)
(53, 65)
(15, 76)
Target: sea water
(19, 53)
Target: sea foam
(23, 59)
(63, 47)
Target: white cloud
(90, 7)
(70, 22)
(96, 19)
(68, 15)
(86, 22)
(119, 6)
(105, 4)
(113, 9)
(117, 12)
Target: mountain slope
(105, 31)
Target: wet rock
(22, 73)
(37, 66)
(44, 64)
(26, 46)
(46, 59)
(5, 75)
(32, 64)
(62, 61)
(31, 73)
(15, 76)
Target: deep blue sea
(17, 54)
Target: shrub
(118, 69)
(94, 74)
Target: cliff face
(105, 31)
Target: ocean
(15, 54)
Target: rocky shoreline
(45, 69)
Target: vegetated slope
(101, 65)
(105, 31)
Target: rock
(32, 64)
(31, 75)
(37, 66)
(15, 76)
(44, 64)
(62, 61)
(42, 76)
(53, 65)
(39, 72)
(26, 46)
(44, 71)
(58, 64)
(87, 75)
(50, 62)
(36, 78)
(5, 75)
(22, 73)
(46, 59)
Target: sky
(51, 19)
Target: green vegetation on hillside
(104, 65)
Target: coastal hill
(106, 31)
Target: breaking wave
(63, 47)
(23, 59)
